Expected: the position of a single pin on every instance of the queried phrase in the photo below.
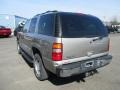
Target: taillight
(57, 51)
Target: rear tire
(39, 69)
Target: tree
(114, 21)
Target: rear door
(28, 37)
(21, 35)
(82, 36)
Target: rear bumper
(71, 69)
(5, 34)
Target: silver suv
(64, 43)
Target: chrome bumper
(71, 69)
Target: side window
(32, 25)
(26, 27)
(46, 25)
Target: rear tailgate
(81, 47)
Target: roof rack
(47, 12)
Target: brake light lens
(57, 51)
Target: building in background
(11, 21)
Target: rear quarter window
(46, 25)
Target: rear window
(75, 25)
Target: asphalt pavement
(16, 74)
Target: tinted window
(74, 25)
(32, 25)
(46, 25)
(26, 27)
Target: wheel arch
(36, 50)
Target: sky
(104, 9)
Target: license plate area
(89, 64)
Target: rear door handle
(28, 38)
(98, 38)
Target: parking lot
(16, 74)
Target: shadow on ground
(28, 63)
(77, 78)
(4, 37)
